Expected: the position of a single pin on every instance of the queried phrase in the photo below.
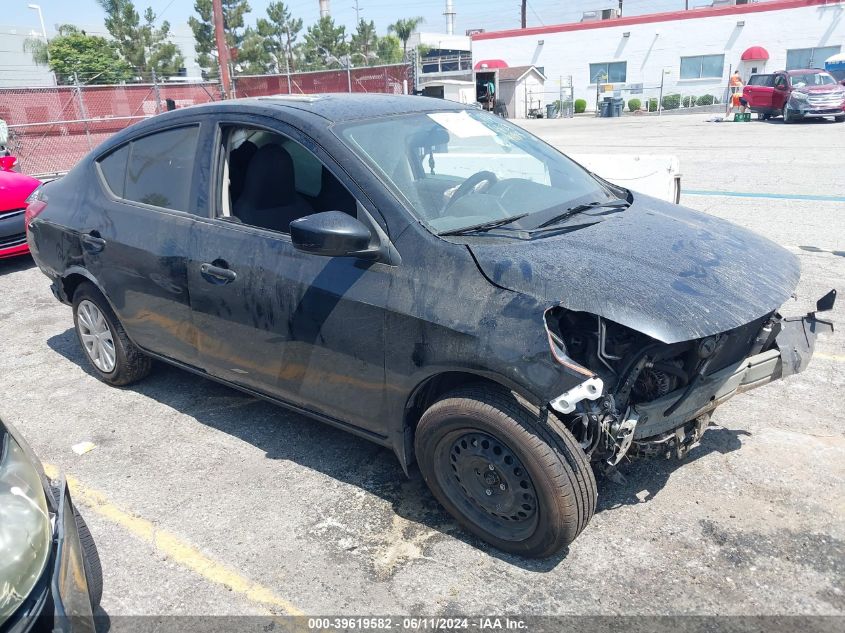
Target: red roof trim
(705, 12)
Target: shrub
(688, 102)
(652, 105)
(634, 105)
(671, 102)
(580, 106)
(704, 100)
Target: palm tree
(403, 29)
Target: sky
(487, 14)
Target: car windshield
(460, 169)
(811, 79)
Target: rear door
(306, 329)
(137, 247)
(759, 91)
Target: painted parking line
(175, 548)
(838, 358)
(762, 194)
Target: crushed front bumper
(793, 349)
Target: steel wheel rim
(96, 336)
(483, 477)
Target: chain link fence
(390, 79)
(51, 128)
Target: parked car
(503, 319)
(50, 574)
(15, 188)
(795, 94)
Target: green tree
(202, 26)
(389, 49)
(325, 44)
(365, 41)
(280, 30)
(146, 46)
(72, 51)
(403, 28)
(254, 55)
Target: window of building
(608, 72)
(702, 67)
(809, 57)
(155, 169)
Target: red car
(795, 94)
(15, 188)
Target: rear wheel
(114, 358)
(839, 118)
(520, 483)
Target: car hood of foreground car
(667, 271)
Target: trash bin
(618, 106)
(606, 108)
(551, 111)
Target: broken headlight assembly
(639, 396)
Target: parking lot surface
(206, 501)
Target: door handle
(92, 242)
(216, 274)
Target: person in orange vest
(735, 99)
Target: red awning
(755, 53)
(490, 63)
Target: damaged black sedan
(427, 276)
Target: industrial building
(690, 52)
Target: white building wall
(654, 46)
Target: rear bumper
(794, 346)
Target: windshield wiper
(610, 204)
(484, 226)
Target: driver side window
(268, 180)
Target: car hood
(819, 90)
(667, 271)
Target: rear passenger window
(155, 169)
(113, 167)
(160, 167)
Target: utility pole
(357, 14)
(522, 13)
(222, 48)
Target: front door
(300, 327)
(781, 92)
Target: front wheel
(520, 483)
(839, 118)
(788, 116)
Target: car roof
(338, 107)
(804, 71)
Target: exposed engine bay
(643, 397)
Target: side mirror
(331, 234)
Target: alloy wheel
(96, 336)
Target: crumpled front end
(641, 396)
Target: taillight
(36, 202)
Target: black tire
(839, 118)
(131, 364)
(91, 562)
(560, 495)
